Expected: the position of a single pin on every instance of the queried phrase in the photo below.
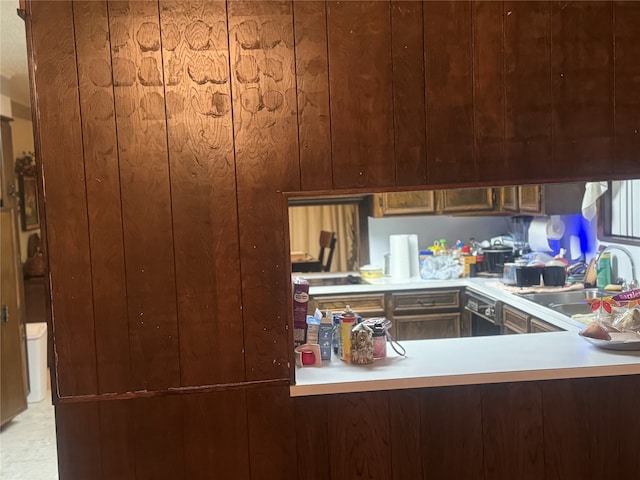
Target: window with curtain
(306, 222)
(621, 212)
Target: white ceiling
(13, 53)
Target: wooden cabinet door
(365, 305)
(538, 326)
(466, 200)
(13, 361)
(403, 203)
(508, 199)
(514, 321)
(530, 199)
(418, 327)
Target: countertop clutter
(468, 360)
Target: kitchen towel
(400, 257)
(592, 191)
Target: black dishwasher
(485, 314)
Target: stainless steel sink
(569, 303)
(562, 298)
(570, 309)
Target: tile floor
(28, 444)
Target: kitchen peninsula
(473, 360)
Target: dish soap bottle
(603, 275)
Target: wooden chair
(325, 256)
(327, 243)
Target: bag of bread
(629, 320)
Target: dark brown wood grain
(409, 114)
(406, 434)
(512, 431)
(145, 190)
(103, 195)
(215, 435)
(360, 436)
(582, 87)
(266, 146)
(527, 57)
(604, 434)
(566, 429)
(361, 93)
(451, 423)
(449, 92)
(312, 438)
(117, 440)
(627, 86)
(203, 191)
(66, 221)
(312, 85)
(158, 436)
(272, 438)
(78, 442)
(627, 392)
(488, 90)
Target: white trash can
(37, 357)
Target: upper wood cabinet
(462, 200)
(403, 203)
(507, 199)
(553, 199)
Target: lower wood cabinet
(538, 326)
(516, 321)
(366, 305)
(437, 325)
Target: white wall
(431, 228)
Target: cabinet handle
(429, 303)
(4, 314)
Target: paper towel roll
(414, 255)
(400, 257)
(538, 235)
(555, 227)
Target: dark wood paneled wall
(167, 134)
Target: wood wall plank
(66, 217)
(78, 441)
(627, 392)
(146, 202)
(103, 196)
(566, 429)
(582, 88)
(312, 440)
(409, 113)
(266, 145)
(117, 440)
(361, 93)
(627, 86)
(215, 435)
(203, 191)
(158, 436)
(360, 437)
(272, 437)
(449, 86)
(488, 90)
(406, 434)
(512, 431)
(527, 56)
(312, 79)
(451, 420)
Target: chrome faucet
(627, 285)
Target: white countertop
(470, 360)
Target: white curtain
(306, 223)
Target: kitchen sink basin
(565, 298)
(570, 309)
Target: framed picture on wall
(29, 214)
